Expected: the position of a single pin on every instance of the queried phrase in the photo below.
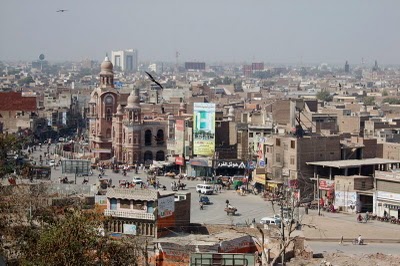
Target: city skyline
(223, 31)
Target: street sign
(262, 163)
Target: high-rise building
(125, 60)
(346, 67)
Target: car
(137, 180)
(204, 189)
(270, 221)
(205, 200)
(52, 162)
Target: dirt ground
(339, 259)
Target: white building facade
(125, 60)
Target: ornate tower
(102, 105)
(131, 130)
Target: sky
(281, 31)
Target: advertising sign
(166, 206)
(129, 229)
(179, 136)
(326, 184)
(204, 129)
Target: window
(292, 144)
(125, 204)
(278, 142)
(292, 160)
(362, 184)
(147, 137)
(278, 158)
(250, 134)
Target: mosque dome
(133, 100)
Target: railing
(130, 214)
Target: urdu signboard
(204, 129)
(166, 206)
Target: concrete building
(125, 60)
(146, 212)
(17, 112)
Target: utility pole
(283, 234)
(319, 207)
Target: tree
(8, 144)
(369, 100)
(385, 93)
(324, 96)
(37, 234)
(25, 81)
(391, 101)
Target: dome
(133, 100)
(106, 66)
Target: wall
(182, 210)
(390, 151)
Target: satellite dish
(41, 57)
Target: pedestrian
(227, 203)
(341, 241)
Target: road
(349, 248)
(249, 206)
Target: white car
(137, 180)
(52, 163)
(270, 220)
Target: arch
(123, 137)
(160, 137)
(160, 156)
(148, 156)
(130, 140)
(147, 137)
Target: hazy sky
(280, 31)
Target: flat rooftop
(340, 164)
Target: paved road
(249, 206)
(348, 248)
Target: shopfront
(230, 168)
(200, 167)
(387, 202)
(327, 191)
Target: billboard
(179, 136)
(166, 206)
(204, 129)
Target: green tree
(25, 81)
(385, 93)
(8, 144)
(391, 101)
(369, 100)
(324, 96)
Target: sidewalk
(333, 226)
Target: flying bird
(61, 10)
(152, 79)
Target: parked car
(52, 163)
(270, 221)
(205, 200)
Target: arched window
(147, 137)
(108, 133)
(130, 140)
(160, 137)
(123, 137)
(113, 132)
(160, 156)
(148, 156)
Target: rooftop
(340, 164)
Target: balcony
(130, 214)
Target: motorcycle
(355, 242)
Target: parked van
(204, 188)
(270, 221)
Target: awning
(199, 162)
